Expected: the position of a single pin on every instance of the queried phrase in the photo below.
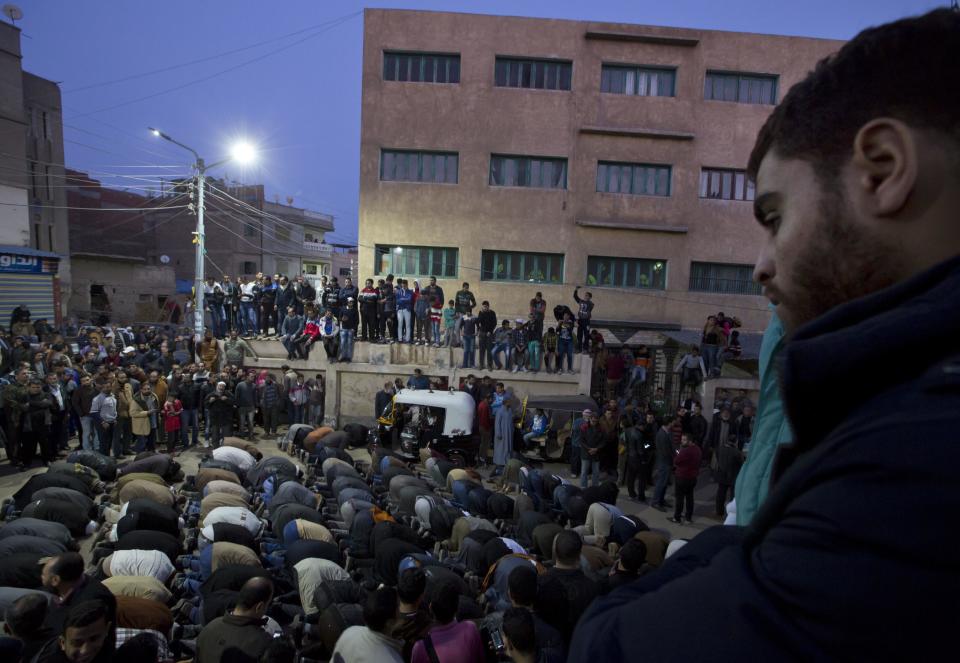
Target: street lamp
(242, 153)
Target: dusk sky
(300, 105)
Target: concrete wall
(14, 216)
(351, 388)
(124, 282)
(475, 119)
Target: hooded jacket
(859, 496)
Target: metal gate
(33, 290)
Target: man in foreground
(857, 187)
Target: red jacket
(686, 464)
(484, 418)
(311, 329)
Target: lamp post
(241, 153)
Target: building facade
(33, 223)
(524, 155)
(245, 234)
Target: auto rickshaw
(424, 418)
(554, 445)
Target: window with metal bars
(421, 67)
(723, 278)
(532, 172)
(416, 261)
(534, 74)
(521, 267)
(636, 179)
(418, 166)
(725, 184)
(740, 88)
(639, 81)
(616, 272)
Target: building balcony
(318, 249)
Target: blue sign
(14, 263)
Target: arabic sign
(13, 262)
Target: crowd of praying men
(326, 550)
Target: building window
(526, 267)
(639, 81)
(421, 67)
(34, 183)
(536, 74)
(725, 184)
(249, 230)
(723, 278)
(627, 272)
(248, 267)
(50, 238)
(413, 166)
(416, 261)
(45, 121)
(741, 88)
(282, 232)
(47, 182)
(534, 172)
(345, 271)
(633, 178)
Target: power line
(133, 217)
(204, 59)
(100, 209)
(203, 79)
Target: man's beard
(841, 263)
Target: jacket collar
(863, 347)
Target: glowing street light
(242, 153)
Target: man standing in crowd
(464, 301)
(857, 175)
(213, 298)
(486, 326)
(348, 330)
(584, 315)
(235, 350)
(368, 312)
(249, 301)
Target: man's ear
(885, 160)
(63, 643)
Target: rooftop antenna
(12, 12)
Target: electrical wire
(133, 217)
(99, 209)
(203, 59)
(204, 79)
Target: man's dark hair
(379, 608)
(899, 70)
(567, 547)
(411, 585)
(25, 616)
(85, 614)
(633, 555)
(444, 603)
(255, 590)
(519, 628)
(69, 566)
(484, 303)
(522, 585)
(143, 647)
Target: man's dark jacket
(232, 638)
(849, 556)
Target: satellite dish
(165, 259)
(12, 12)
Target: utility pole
(241, 153)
